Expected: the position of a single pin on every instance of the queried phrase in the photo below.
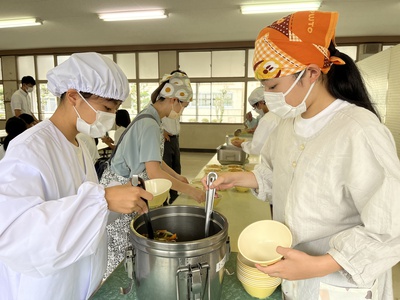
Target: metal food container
(231, 155)
(192, 267)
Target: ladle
(210, 194)
(137, 181)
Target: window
(216, 102)
(349, 50)
(228, 63)
(250, 54)
(148, 65)
(127, 63)
(219, 81)
(195, 64)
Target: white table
(241, 209)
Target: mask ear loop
(295, 82)
(86, 102)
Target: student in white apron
(53, 211)
(331, 166)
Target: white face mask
(103, 123)
(259, 111)
(29, 89)
(277, 104)
(173, 114)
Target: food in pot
(164, 235)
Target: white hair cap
(90, 73)
(256, 95)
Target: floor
(193, 162)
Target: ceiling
(74, 23)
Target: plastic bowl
(159, 188)
(241, 189)
(259, 292)
(257, 242)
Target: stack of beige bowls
(256, 283)
(257, 245)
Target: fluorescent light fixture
(279, 7)
(133, 15)
(8, 23)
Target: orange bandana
(292, 43)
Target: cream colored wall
(393, 96)
(381, 72)
(205, 136)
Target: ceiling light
(279, 7)
(133, 15)
(20, 22)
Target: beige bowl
(259, 292)
(241, 189)
(216, 201)
(258, 241)
(260, 283)
(159, 187)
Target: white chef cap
(256, 95)
(90, 73)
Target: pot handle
(129, 268)
(194, 280)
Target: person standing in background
(21, 101)
(172, 153)
(265, 127)
(28, 118)
(140, 152)
(250, 123)
(14, 127)
(122, 120)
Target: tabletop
(231, 287)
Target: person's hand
(249, 116)
(198, 194)
(223, 182)
(166, 136)
(107, 139)
(127, 199)
(182, 178)
(237, 142)
(298, 265)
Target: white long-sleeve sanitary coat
(338, 192)
(265, 127)
(52, 219)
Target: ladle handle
(211, 177)
(138, 181)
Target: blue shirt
(141, 144)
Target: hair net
(178, 86)
(90, 73)
(256, 95)
(292, 43)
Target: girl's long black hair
(345, 82)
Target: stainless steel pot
(191, 268)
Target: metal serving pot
(191, 268)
